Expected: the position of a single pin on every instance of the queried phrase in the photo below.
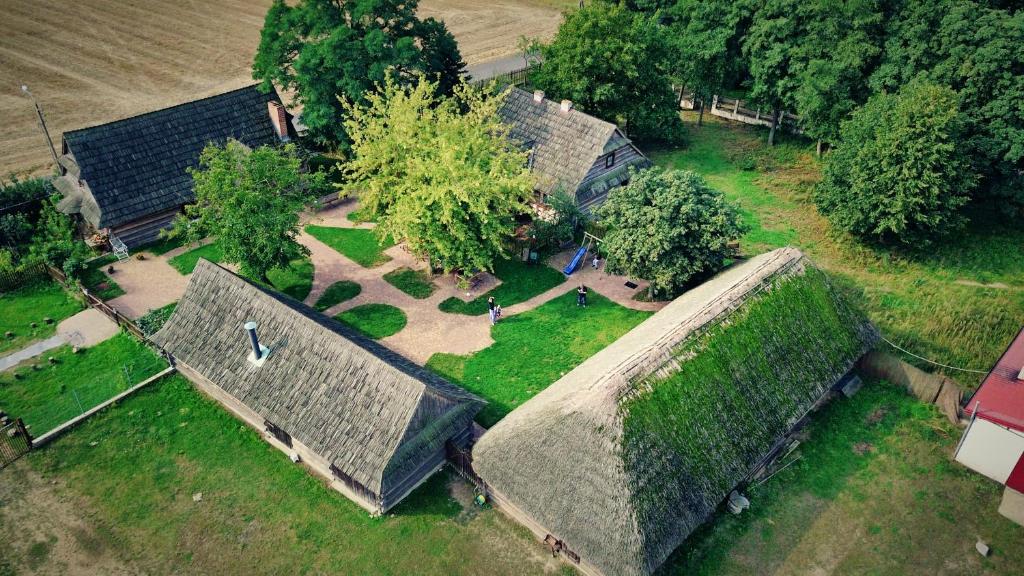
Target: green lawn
(875, 491)
(519, 282)
(186, 262)
(357, 244)
(33, 303)
(162, 246)
(99, 284)
(374, 320)
(295, 280)
(960, 302)
(46, 395)
(533, 349)
(130, 472)
(337, 293)
(415, 283)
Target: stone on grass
(51, 359)
(34, 325)
(982, 548)
(197, 497)
(9, 334)
(48, 320)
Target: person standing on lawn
(581, 296)
(492, 311)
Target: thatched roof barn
(356, 412)
(621, 459)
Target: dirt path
(42, 531)
(87, 328)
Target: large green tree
(668, 227)
(440, 173)
(615, 64)
(323, 49)
(250, 201)
(898, 174)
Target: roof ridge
(548, 103)
(167, 109)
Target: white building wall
(991, 449)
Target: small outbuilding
(993, 443)
(616, 463)
(129, 178)
(369, 420)
(569, 150)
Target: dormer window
(609, 160)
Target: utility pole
(42, 124)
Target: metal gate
(14, 442)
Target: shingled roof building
(569, 150)
(616, 463)
(129, 177)
(366, 418)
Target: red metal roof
(1000, 398)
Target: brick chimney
(279, 118)
(538, 95)
(566, 105)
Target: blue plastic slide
(575, 261)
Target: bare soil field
(93, 61)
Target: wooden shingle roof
(136, 167)
(565, 144)
(364, 408)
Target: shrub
(898, 174)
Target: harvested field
(93, 61)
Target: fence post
(736, 107)
(20, 424)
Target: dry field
(93, 61)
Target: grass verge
(356, 244)
(415, 283)
(48, 395)
(296, 280)
(533, 349)
(337, 293)
(33, 303)
(99, 284)
(374, 320)
(186, 261)
(519, 282)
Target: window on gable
(275, 431)
(609, 160)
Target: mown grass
(337, 293)
(45, 395)
(97, 282)
(357, 244)
(133, 469)
(374, 320)
(33, 304)
(360, 216)
(874, 491)
(186, 261)
(959, 303)
(519, 282)
(415, 283)
(534, 349)
(162, 246)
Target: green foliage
(519, 282)
(357, 244)
(151, 322)
(415, 283)
(337, 293)
(33, 303)
(16, 191)
(533, 349)
(898, 174)
(324, 49)
(552, 227)
(374, 320)
(668, 228)
(96, 282)
(250, 201)
(614, 64)
(54, 241)
(58, 392)
(441, 175)
(764, 365)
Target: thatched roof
(367, 410)
(564, 144)
(626, 454)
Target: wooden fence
(11, 280)
(516, 77)
(739, 110)
(15, 442)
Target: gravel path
(87, 328)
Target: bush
(668, 228)
(55, 243)
(897, 174)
